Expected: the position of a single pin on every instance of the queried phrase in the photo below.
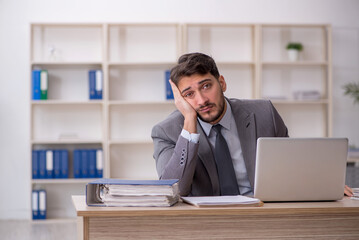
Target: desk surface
(345, 206)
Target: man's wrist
(192, 137)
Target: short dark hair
(193, 63)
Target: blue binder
(35, 204)
(42, 204)
(49, 163)
(42, 163)
(99, 163)
(92, 163)
(57, 163)
(169, 92)
(35, 164)
(77, 163)
(64, 164)
(92, 84)
(36, 81)
(95, 84)
(84, 164)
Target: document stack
(132, 193)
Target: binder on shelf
(49, 164)
(35, 164)
(57, 163)
(169, 92)
(36, 82)
(42, 204)
(84, 163)
(119, 192)
(35, 204)
(99, 163)
(95, 84)
(77, 163)
(42, 163)
(92, 163)
(43, 84)
(64, 164)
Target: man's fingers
(348, 191)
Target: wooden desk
(314, 220)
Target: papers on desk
(355, 194)
(223, 201)
(132, 193)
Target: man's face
(205, 94)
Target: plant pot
(293, 55)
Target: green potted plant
(352, 89)
(293, 49)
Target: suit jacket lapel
(245, 122)
(206, 156)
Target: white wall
(15, 17)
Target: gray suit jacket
(193, 163)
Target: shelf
(65, 102)
(141, 64)
(297, 102)
(298, 63)
(118, 103)
(53, 63)
(234, 63)
(67, 141)
(54, 220)
(130, 141)
(62, 180)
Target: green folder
(43, 84)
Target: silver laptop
(300, 169)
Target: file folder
(42, 204)
(49, 164)
(120, 192)
(35, 204)
(35, 164)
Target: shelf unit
(279, 78)
(134, 58)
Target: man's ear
(222, 83)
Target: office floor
(28, 230)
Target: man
(191, 144)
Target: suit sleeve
(279, 127)
(175, 160)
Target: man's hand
(348, 191)
(188, 112)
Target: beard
(214, 114)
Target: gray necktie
(226, 174)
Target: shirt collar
(225, 121)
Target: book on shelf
(39, 84)
(47, 164)
(169, 92)
(95, 84)
(39, 204)
(88, 163)
(36, 81)
(223, 201)
(132, 193)
(43, 84)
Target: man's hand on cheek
(182, 105)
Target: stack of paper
(355, 194)
(132, 193)
(223, 201)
